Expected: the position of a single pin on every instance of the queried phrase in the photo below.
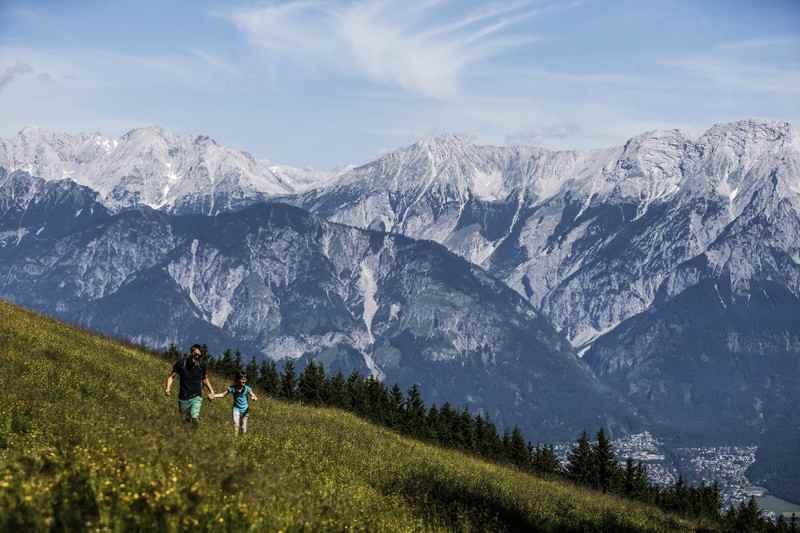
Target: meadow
(88, 441)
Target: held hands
(166, 392)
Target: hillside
(87, 436)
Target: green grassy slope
(87, 436)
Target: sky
(326, 83)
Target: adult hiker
(192, 374)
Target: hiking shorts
(240, 420)
(190, 409)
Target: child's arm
(253, 395)
(168, 384)
(220, 394)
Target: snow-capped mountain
(541, 220)
(154, 167)
(279, 282)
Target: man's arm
(170, 379)
(207, 383)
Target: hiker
(241, 393)
(192, 373)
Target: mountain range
(670, 264)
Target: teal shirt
(240, 399)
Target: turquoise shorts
(190, 409)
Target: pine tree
(414, 419)
(432, 423)
(172, 353)
(251, 371)
(518, 450)
(237, 362)
(445, 429)
(464, 428)
(580, 461)
(337, 392)
(396, 403)
(226, 364)
(505, 447)
(746, 518)
(605, 462)
(545, 461)
(355, 392)
(311, 384)
(268, 378)
(288, 382)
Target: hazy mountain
(279, 282)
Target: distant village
(725, 465)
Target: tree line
(589, 463)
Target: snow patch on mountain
(369, 289)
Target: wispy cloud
(425, 49)
(770, 65)
(13, 72)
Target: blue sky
(327, 83)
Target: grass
(89, 441)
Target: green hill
(88, 439)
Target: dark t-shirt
(191, 377)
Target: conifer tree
(396, 403)
(288, 381)
(432, 423)
(237, 362)
(226, 364)
(545, 460)
(414, 416)
(446, 430)
(605, 462)
(580, 461)
(251, 371)
(355, 392)
(518, 449)
(311, 384)
(172, 353)
(268, 378)
(337, 392)
(505, 447)
(465, 430)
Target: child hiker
(241, 393)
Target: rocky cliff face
(279, 282)
(587, 237)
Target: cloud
(14, 71)
(769, 65)
(549, 132)
(425, 49)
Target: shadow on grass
(480, 505)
